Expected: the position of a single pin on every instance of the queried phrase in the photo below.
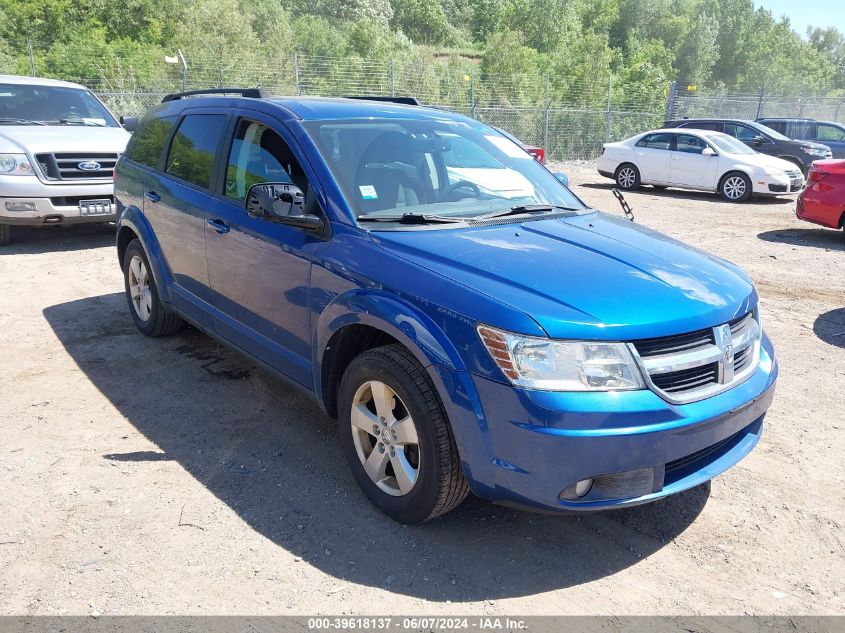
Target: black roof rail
(253, 93)
(402, 100)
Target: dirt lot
(164, 476)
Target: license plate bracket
(96, 207)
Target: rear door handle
(219, 225)
(152, 196)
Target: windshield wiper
(410, 218)
(521, 209)
(80, 122)
(4, 120)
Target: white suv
(58, 148)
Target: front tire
(396, 437)
(5, 234)
(148, 312)
(735, 187)
(627, 177)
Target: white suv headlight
(15, 165)
(541, 363)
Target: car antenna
(629, 212)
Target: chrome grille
(66, 166)
(696, 365)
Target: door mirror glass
(281, 203)
(129, 123)
(709, 151)
(562, 178)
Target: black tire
(627, 177)
(161, 321)
(5, 234)
(440, 485)
(735, 187)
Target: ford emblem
(89, 165)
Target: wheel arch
(133, 225)
(362, 320)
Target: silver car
(58, 148)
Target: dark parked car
(762, 139)
(829, 133)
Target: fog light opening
(12, 205)
(583, 487)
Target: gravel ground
(168, 476)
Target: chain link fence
(692, 102)
(569, 118)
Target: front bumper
(771, 185)
(542, 443)
(50, 204)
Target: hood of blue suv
(588, 277)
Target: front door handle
(219, 225)
(152, 196)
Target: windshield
(767, 130)
(24, 104)
(448, 169)
(729, 144)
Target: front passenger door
(691, 168)
(259, 271)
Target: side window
(713, 126)
(258, 154)
(148, 142)
(690, 144)
(661, 140)
(741, 132)
(829, 132)
(194, 146)
(777, 126)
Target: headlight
(812, 151)
(540, 363)
(15, 165)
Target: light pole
(173, 59)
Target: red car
(823, 199)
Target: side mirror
(757, 140)
(281, 203)
(562, 178)
(129, 123)
(709, 151)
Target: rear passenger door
(176, 202)
(653, 156)
(260, 271)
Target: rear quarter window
(194, 148)
(147, 144)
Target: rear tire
(148, 312)
(5, 234)
(735, 187)
(627, 177)
(396, 437)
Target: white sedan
(697, 159)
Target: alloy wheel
(385, 438)
(734, 187)
(139, 288)
(626, 177)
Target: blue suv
(470, 322)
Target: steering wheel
(462, 184)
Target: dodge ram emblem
(89, 165)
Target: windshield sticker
(508, 147)
(368, 192)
